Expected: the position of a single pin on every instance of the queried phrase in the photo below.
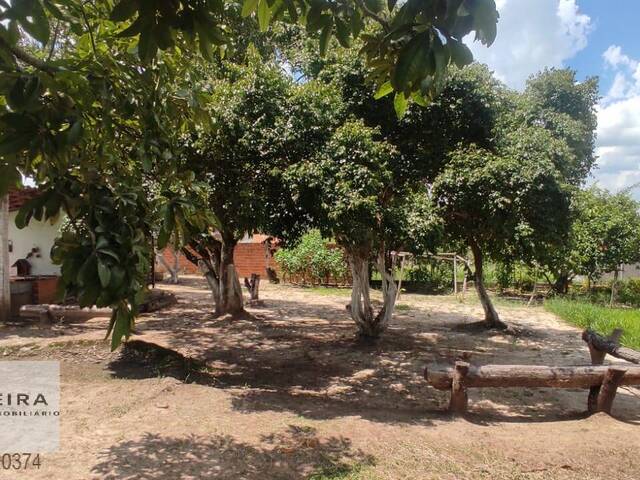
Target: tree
(504, 206)
(257, 129)
(604, 235)
(87, 96)
(351, 191)
(566, 108)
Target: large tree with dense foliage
(87, 94)
(506, 206)
(355, 191)
(260, 122)
(605, 234)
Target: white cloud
(614, 57)
(532, 35)
(626, 82)
(618, 143)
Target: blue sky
(594, 37)
(610, 26)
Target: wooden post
(613, 287)
(597, 358)
(610, 384)
(455, 274)
(400, 279)
(464, 286)
(5, 268)
(459, 398)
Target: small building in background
(34, 277)
(32, 243)
(252, 254)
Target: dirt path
(286, 393)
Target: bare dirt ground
(286, 393)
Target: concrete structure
(627, 272)
(33, 242)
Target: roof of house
(255, 238)
(19, 196)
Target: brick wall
(18, 197)
(248, 258)
(45, 289)
(184, 265)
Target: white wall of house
(39, 235)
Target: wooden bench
(602, 381)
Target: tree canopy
(90, 94)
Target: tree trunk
(5, 268)
(370, 325)
(614, 285)
(491, 316)
(561, 285)
(223, 280)
(253, 286)
(172, 269)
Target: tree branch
(27, 58)
(369, 13)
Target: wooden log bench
(464, 376)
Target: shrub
(504, 275)
(312, 260)
(433, 276)
(629, 292)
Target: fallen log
(610, 346)
(529, 376)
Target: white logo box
(29, 406)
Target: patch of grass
(601, 319)
(402, 307)
(357, 471)
(331, 291)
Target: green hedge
(313, 260)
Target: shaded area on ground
(294, 453)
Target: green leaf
(325, 37)
(124, 10)
(14, 144)
(109, 252)
(147, 47)
(460, 53)
(74, 132)
(38, 26)
(343, 33)
(104, 273)
(385, 89)
(441, 57)
(9, 177)
(264, 15)
(121, 326)
(376, 6)
(163, 35)
(249, 7)
(412, 62)
(400, 104)
(485, 19)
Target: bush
(504, 275)
(433, 276)
(312, 260)
(629, 292)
